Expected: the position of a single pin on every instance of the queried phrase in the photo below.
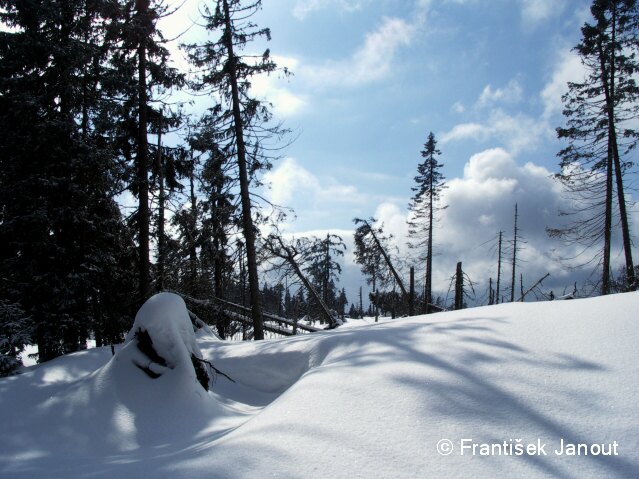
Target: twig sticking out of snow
(216, 370)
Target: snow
(371, 401)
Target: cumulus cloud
(371, 62)
(480, 204)
(290, 179)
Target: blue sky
(373, 77)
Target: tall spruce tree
(153, 72)
(60, 230)
(243, 121)
(423, 206)
(599, 112)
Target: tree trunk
(375, 309)
(491, 293)
(142, 7)
(609, 92)
(523, 294)
(193, 229)
(161, 206)
(459, 287)
(605, 277)
(327, 270)
(411, 297)
(512, 283)
(498, 269)
(289, 256)
(388, 262)
(247, 220)
(625, 227)
(429, 253)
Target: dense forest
(88, 121)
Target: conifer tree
(61, 230)
(370, 258)
(243, 121)
(323, 267)
(423, 206)
(599, 112)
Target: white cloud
(285, 103)
(517, 133)
(511, 93)
(291, 179)
(464, 131)
(316, 199)
(480, 204)
(535, 11)
(495, 163)
(370, 62)
(568, 68)
(273, 88)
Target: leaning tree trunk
(286, 254)
(333, 322)
(388, 261)
(247, 220)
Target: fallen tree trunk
(523, 295)
(240, 313)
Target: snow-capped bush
(164, 339)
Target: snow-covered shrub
(14, 335)
(164, 340)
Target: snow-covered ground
(374, 401)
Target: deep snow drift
(373, 401)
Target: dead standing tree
(459, 287)
(461, 280)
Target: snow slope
(370, 402)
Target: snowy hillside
(373, 402)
